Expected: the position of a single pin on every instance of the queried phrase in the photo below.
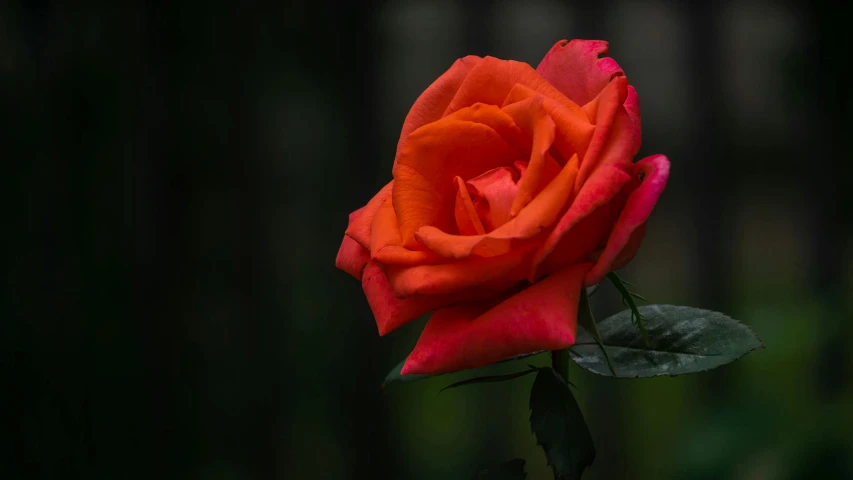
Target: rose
(512, 189)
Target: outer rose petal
(385, 242)
(580, 242)
(360, 220)
(354, 215)
(614, 134)
(637, 209)
(431, 104)
(352, 257)
(627, 253)
(391, 311)
(632, 106)
(424, 190)
(602, 187)
(575, 68)
(540, 317)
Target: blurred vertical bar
(47, 383)
(829, 175)
(253, 324)
(708, 157)
(160, 269)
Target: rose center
(485, 203)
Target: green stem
(560, 362)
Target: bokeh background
(177, 182)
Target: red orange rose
(513, 189)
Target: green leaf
(587, 321)
(489, 379)
(558, 424)
(682, 340)
(395, 375)
(628, 300)
(511, 470)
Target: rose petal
(501, 272)
(386, 244)
(627, 254)
(540, 317)
(530, 115)
(467, 219)
(539, 214)
(354, 215)
(602, 108)
(390, 311)
(632, 106)
(494, 192)
(614, 133)
(432, 103)
(601, 188)
(492, 79)
(359, 227)
(498, 120)
(580, 242)
(424, 191)
(574, 130)
(637, 209)
(576, 70)
(352, 257)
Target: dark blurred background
(178, 179)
